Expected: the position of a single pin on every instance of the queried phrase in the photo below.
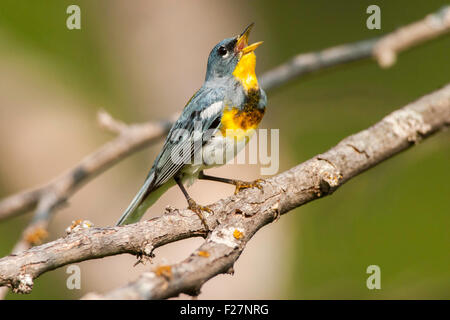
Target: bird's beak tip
(242, 41)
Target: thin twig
(433, 25)
(306, 63)
(130, 139)
(384, 49)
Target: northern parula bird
(227, 108)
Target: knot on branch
(329, 177)
(329, 182)
(148, 249)
(23, 284)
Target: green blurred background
(396, 215)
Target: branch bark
(235, 219)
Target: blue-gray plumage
(230, 104)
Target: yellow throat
(245, 71)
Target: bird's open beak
(242, 42)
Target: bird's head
(225, 57)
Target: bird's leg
(238, 183)
(192, 205)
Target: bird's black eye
(222, 51)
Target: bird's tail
(146, 196)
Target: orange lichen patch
(78, 225)
(204, 254)
(75, 223)
(237, 234)
(35, 236)
(164, 271)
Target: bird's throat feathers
(245, 71)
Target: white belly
(215, 153)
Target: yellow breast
(245, 71)
(240, 123)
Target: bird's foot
(198, 209)
(240, 185)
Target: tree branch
(384, 50)
(237, 218)
(433, 25)
(130, 139)
(313, 179)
